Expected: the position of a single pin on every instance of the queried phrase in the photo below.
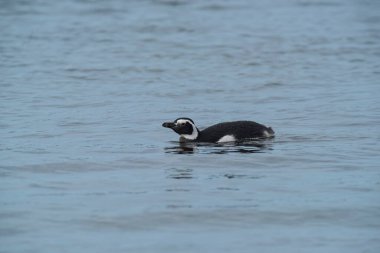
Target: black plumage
(239, 129)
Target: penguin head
(184, 127)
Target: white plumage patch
(227, 138)
(267, 134)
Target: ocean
(85, 165)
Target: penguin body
(219, 133)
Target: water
(85, 165)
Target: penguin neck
(193, 136)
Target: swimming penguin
(222, 132)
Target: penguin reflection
(181, 148)
(207, 148)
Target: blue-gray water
(85, 165)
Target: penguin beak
(168, 124)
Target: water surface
(85, 165)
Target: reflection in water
(251, 146)
(180, 173)
(181, 148)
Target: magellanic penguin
(223, 132)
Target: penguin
(234, 131)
